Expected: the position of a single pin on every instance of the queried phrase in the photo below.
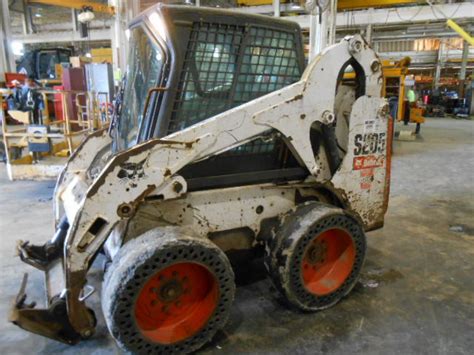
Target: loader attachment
(40, 256)
(51, 321)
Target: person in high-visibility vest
(410, 101)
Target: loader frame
(100, 208)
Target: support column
(462, 73)
(25, 17)
(7, 60)
(314, 33)
(318, 31)
(439, 64)
(276, 8)
(75, 22)
(324, 28)
(369, 28)
(368, 34)
(332, 23)
(119, 40)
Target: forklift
(222, 142)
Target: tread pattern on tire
(286, 249)
(142, 257)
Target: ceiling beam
(77, 4)
(365, 4)
(385, 16)
(426, 57)
(63, 36)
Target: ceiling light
(85, 16)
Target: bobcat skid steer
(223, 144)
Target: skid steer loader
(223, 142)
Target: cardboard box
(102, 59)
(101, 55)
(100, 52)
(79, 62)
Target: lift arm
(77, 4)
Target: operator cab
(187, 64)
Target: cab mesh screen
(228, 65)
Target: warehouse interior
(245, 176)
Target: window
(64, 56)
(145, 64)
(228, 65)
(269, 63)
(46, 65)
(208, 76)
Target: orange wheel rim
(176, 302)
(328, 261)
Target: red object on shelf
(74, 80)
(58, 105)
(9, 77)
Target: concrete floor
(416, 294)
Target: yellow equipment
(341, 4)
(77, 4)
(466, 36)
(394, 74)
(394, 85)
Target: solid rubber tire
(136, 262)
(285, 250)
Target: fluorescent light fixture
(294, 6)
(88, 55)
(17, 48)
(38, 15)
(158, 24)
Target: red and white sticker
(368, 162)
(366, 178)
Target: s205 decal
(369, 143)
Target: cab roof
(186, 13)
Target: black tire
(311, 239)
(142, 272)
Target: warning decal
(368, 162)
